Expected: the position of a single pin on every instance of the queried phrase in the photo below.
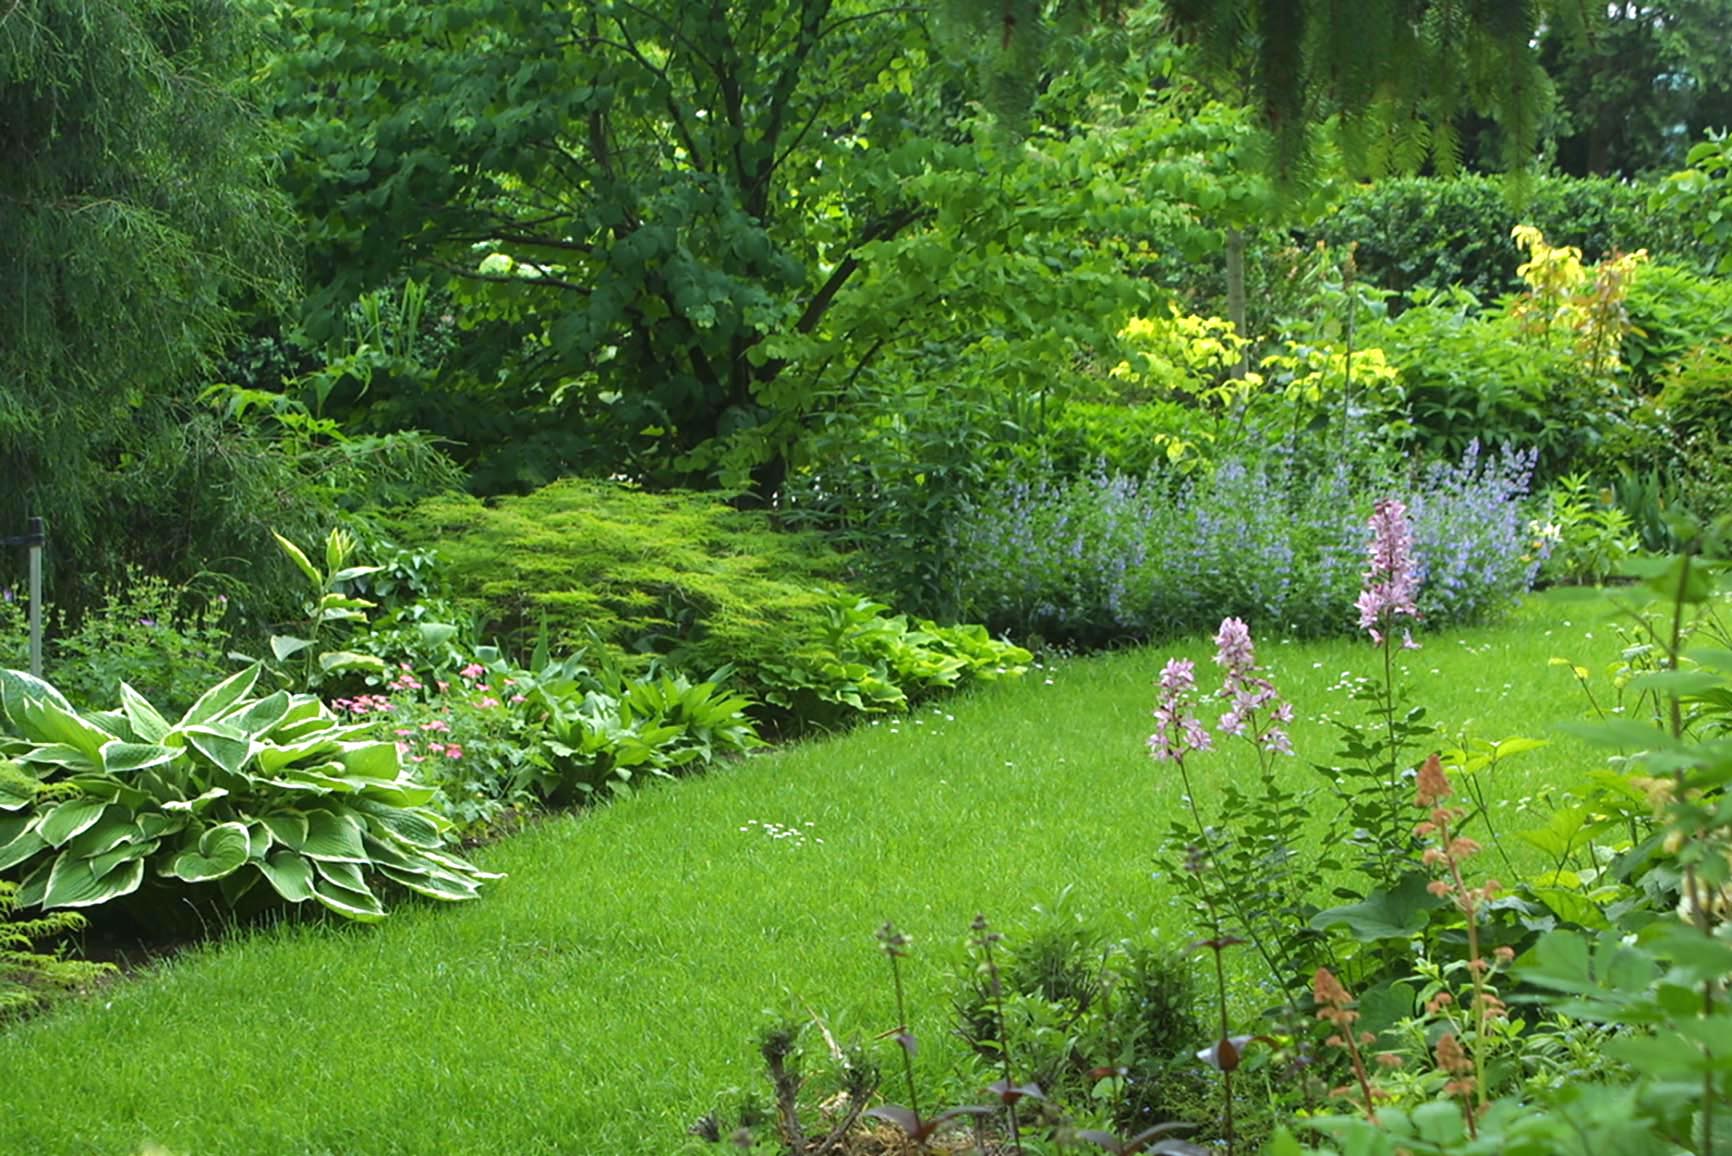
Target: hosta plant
(243, 800)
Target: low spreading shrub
(239, 791)
(624, 575)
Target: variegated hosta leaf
(220, 851)
(237, 791)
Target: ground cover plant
(629, 951)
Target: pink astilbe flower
(1248, 692)
(1392, 582)
(1178, 732)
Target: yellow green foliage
(675, 573)
(29, 976)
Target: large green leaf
(272, 757)
(67, 819)
(113, 828)
(221, 849)
(333, 836)
(217, 701)
(73, 883)
(1387, 913)
(195, 806)
(416, 828)
(289, 874)
(67, 758)
(288, 828)
(146, 721)
(227, 750)
(46, 721)
(361, 906)
(372, 760)
(119, 758)
(435, 884)
(16, 686)
(21, 848)
(254, 720)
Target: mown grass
(600, 998)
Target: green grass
(598, 999)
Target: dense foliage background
(446, 411)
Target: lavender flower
(1249, 692)
(1392, 583)
(1177, 731)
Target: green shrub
(1430, 233)
(238, 791)
(638, 572)
(1673, 311)
(166, 641)
(622, 574)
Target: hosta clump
(242, 800)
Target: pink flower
(453, 751)
(1233, 648)
(486, 702)
(442, 685)
(1248, 691)
(1392, 581)
(517, 698)
(1177, 731)
(436, 724)
(473, 670)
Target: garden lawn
(600, 998)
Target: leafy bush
(1582, 535)
(597, 562)
(166, 641)
(238, 791)
(1430, 233)
(498, 739)
(621, 574)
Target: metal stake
(36, 538)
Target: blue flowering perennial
(1106, 558)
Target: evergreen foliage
(639, 572)
(136, 209)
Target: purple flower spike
(1392, 583)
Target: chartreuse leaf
(222, 849)
(299, 559)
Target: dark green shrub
(1672, 311)
(1430, 233)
